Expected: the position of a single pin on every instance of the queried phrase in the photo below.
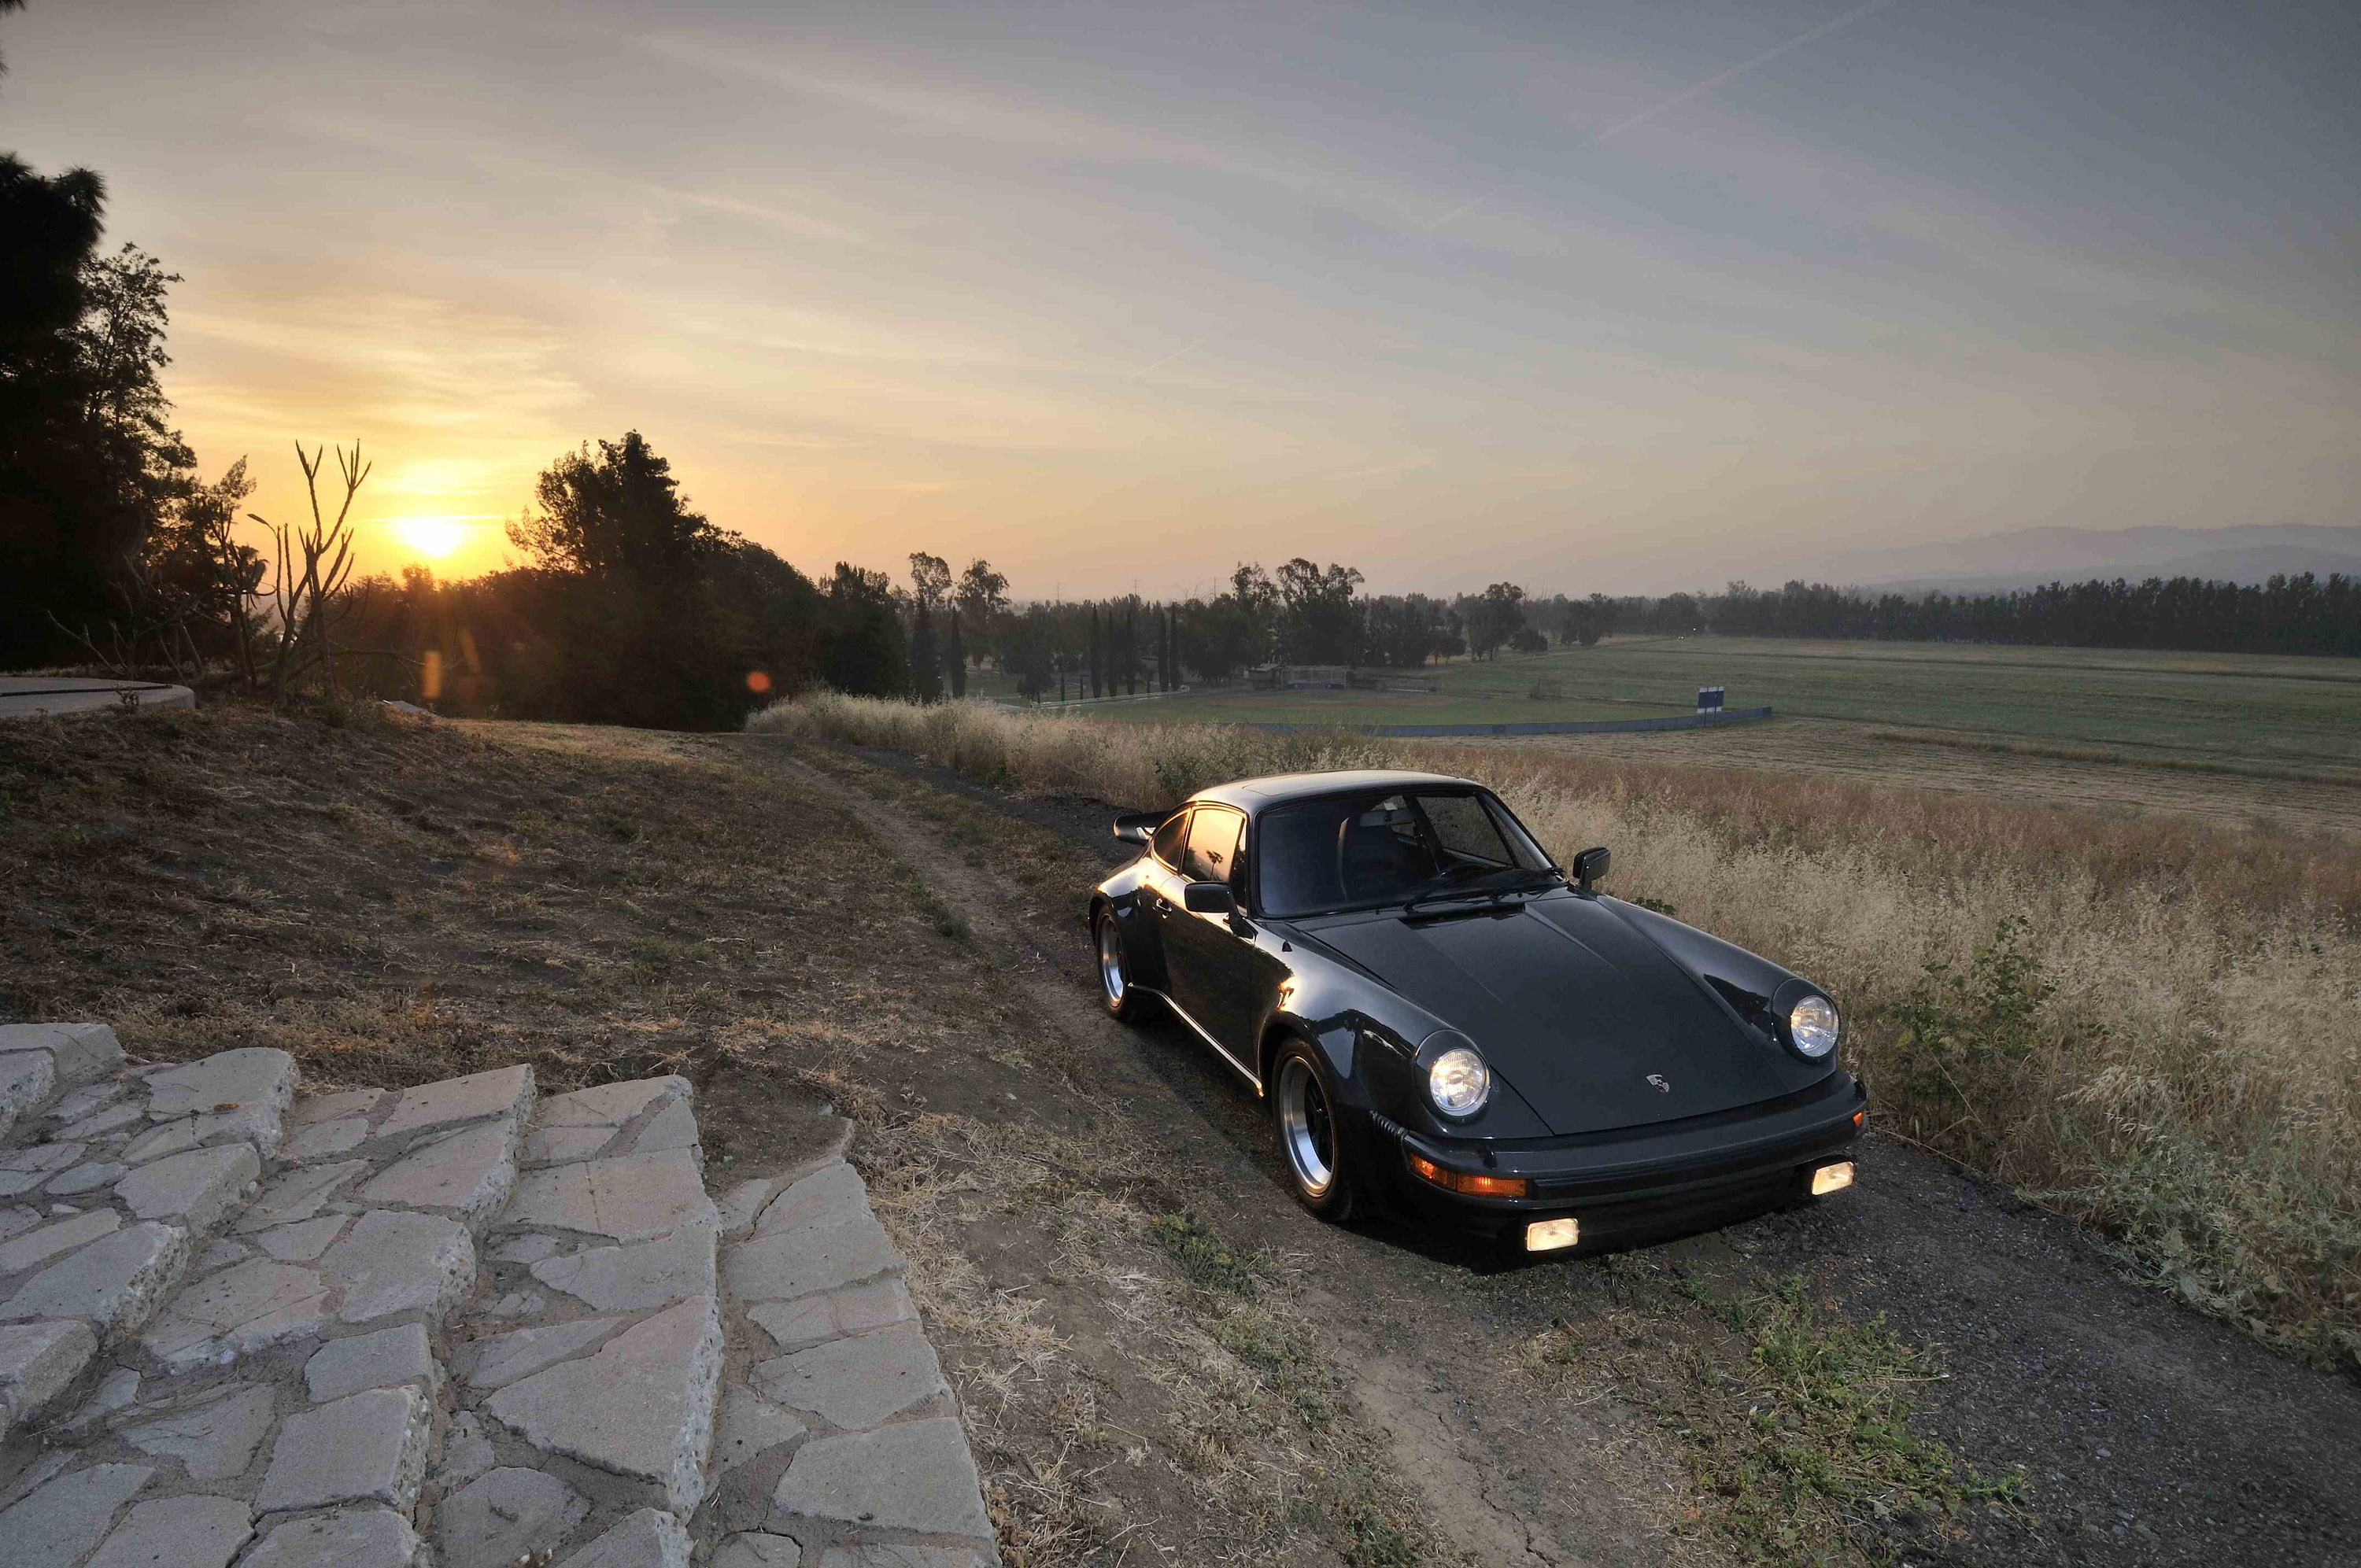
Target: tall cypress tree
(926, 675)
(1096, 640)
(1131, 649)
(955, 658)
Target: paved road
(2151, 1434)
(26, 696)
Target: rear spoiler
(1137, 826)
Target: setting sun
(437, 536)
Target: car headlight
(1459, 1082)
(1813, 1025)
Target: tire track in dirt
(2149, 1433)
(1508, 1476)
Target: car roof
(1251, 795)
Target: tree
(955, 657)
(930, 579)
(926, 666)
(982, 596)
(203, 581)
(1254, 601)
(89, 465)
(618, 515)
(1317, 611)
(863, 652)
(1097, 643)
(1494, 619)
(306, 593)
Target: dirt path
(2145, 1433)
(1506, 1475)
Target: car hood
(1581, 1013)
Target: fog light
(1549, 1235)
(1830, 1179)
(1469, 1181)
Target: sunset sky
(1613, 297)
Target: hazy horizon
(1630, 299)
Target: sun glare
(437, 536)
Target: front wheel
(1114, 978)
(1303, 1114)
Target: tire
(1115, 993)
(1311, 1147)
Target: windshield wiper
(1527, 881)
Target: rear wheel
(1114, 978)
(1303, 1115)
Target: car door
(1159, 900)
(1210, 962)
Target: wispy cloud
(1694, 91)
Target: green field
(2235, 709)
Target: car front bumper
(1635, 1184)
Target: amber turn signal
(1468, 1181)
(1858, 1116)
(1830, 1179)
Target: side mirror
(1590, 866)
(1209, 898)
(1139, 826)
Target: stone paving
(459, 1326)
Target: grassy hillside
(2147, 1023)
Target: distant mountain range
(2028, 558)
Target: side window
(1212, 845)
(1170, 838)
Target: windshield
(1362, 852)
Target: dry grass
(2173, 1052)
(1796, 1422)
(2132, 784)
(1228, 1392)
(395, 903)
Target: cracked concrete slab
(498, 1518)
(348, 1538)
(641, 1406)
(243, 1308)
(797, 1261)
(194, 1190)
(38, 1363)
(468, 1174)
(502, 1359)
(383, 1359)
(856, 1383)
(61, 1237)
(365, 1448)
(634, 1277)
(916, 1475)
(216, 1440)
(503, 1091)
(392, 1263)
(648, 1538)
(184, 1532)
(112, 1283)
(632, 1198)
(66, 1516)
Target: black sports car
(1447, 1025)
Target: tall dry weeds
(2149, 1023)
